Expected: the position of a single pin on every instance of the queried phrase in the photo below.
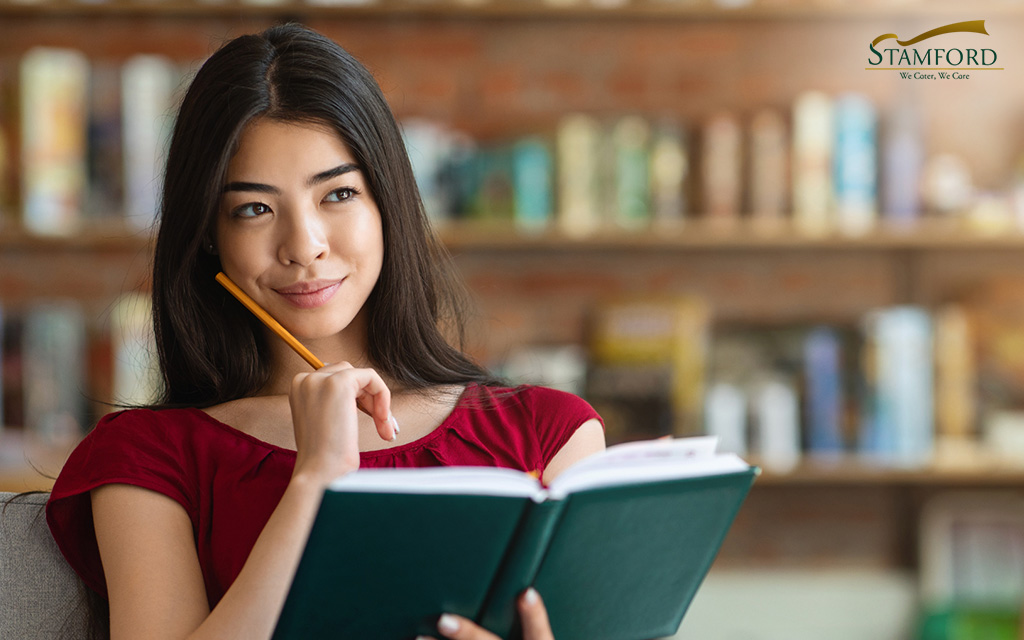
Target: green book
(617, 545)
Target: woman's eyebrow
(324, 176)
(314, 180)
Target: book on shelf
(617, 545)
(8, 142)
(956, 377)
(898, 426)
(54, 101)
(136, 377)
(148, 83)
(670, 166)
(53, 370)
(776, 413)
(669, 337)
(721, 168)
(769, 163)
(578, 151)
(823, 376)
(630, 140)
(105, 196)
(855, 166)
(902, 159)
(532, 175)
(725, 417)
(812, 162)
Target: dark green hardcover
(616, 563)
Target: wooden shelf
(701, 236)
(698, 235)
(506, 9)
(855, 471)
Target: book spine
(855, 165)
(812, 157)
(105, 197)
(54, 370)
(904, 394)
(136, 376)
(578, 150)
(823, 373)
(726, 417)
(631, 139)
(778, 422)
(668, 171)
(956, 376)
(53, 125)
(721, 168)
(147, 85)
(532, 168)
(902, 166)
(768, 162)
(424, 144)
(519, 568)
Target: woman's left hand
(531, 612)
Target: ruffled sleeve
(556, 417)
(133, 447)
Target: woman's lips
(309, 295)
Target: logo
(932, 63)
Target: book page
(647, 461)
(492, 481)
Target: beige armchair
(40, 596)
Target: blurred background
(725, 217)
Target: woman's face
(297, 227)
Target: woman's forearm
(250, 607)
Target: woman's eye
(252, 210)
(340, 195)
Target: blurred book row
(82, 141)
(828, 164)
(453, 4)
(905, 387)
(61, 370)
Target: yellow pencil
(265, 318)
(276, 327)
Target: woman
(287, 171)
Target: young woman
(286, 170)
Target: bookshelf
(509, 67)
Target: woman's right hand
(325, 417)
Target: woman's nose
(304, 240)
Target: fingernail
(531, 596)
(448, 624)
(422, 638)
(394, 423)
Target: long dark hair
(210, 348)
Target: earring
(209, 248)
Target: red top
(229, 482)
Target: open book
(617, 545)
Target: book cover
(617, 546)
(54, 100)
(532, 178)
(769, 168)
(53, 352)
(855, 165)
(148, 83)
(812, 163)
(721, 169)
(578, 144)
(670, 166)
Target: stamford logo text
(947, 62)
